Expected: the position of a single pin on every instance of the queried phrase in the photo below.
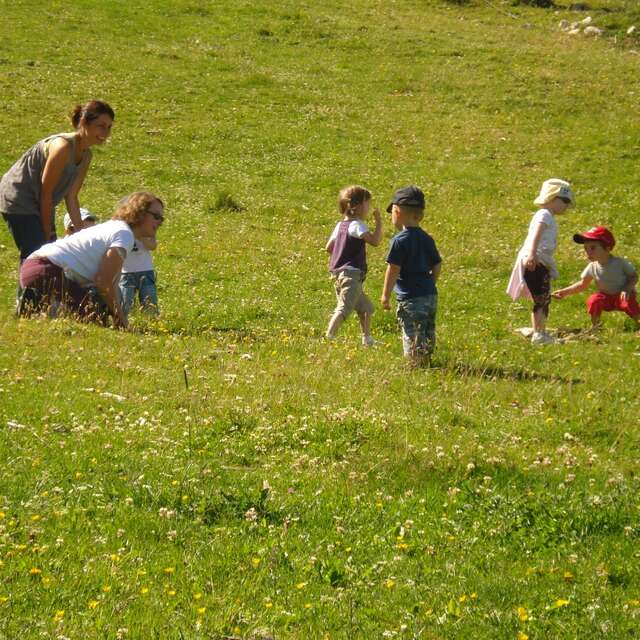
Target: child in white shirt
(535, 266)
(138, 276)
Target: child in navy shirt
(413, 266)
(348, 263)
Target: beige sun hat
(555, 188)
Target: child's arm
(629, 287)
(149, 243)
(331, 241)
(435, 271)
(576, 287)
(374, 238)
(390, 277)
(531, 261)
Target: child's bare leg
(365, 323)
(334, 324)
(596, 321)
(538, 320)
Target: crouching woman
(81, 271)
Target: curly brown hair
(132, 209)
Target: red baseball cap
(601, 234)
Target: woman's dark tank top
(20, 186)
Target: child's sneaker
(368, 341)
(541, 337)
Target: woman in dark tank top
(53, 169)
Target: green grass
(225, 473)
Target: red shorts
(599, 302)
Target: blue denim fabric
(417, 317)
(28, 235)
(144, 283)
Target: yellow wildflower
(301, 585)
(93, 604)
(523, 616)
(202, 610)
(255, 561)
(169, 569)
(34, 571)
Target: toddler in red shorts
(615, 278)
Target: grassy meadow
(224, 472)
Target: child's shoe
(368, 341)
(542, 337)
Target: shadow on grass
(495, 372)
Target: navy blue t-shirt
(415, 252)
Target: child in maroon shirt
(348, 263)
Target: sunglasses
(566, 200)
(158, 216)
